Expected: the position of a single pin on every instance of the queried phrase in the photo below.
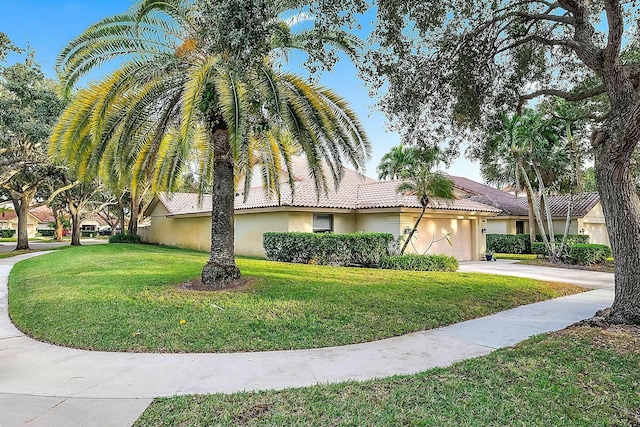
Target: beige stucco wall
(498, 226)
(300, 221)
(594, 225)
(251, 227)
(379, 222)
(193, 232)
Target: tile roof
(508, 203)
(355, 191)
(582, 204)
(43, 214)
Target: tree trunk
(621, 208)
(413, 231)
(59, 227)
(135, 212)
(22, 211)
(121, 216)
(221, 270)
(76, 230)
(532, 218)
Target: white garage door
(597, 232)
(459, 231)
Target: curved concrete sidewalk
(44, 384)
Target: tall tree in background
(29, 107)
(206, 75)
(460, 61)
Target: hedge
(6, 234)
(520, 243)
(46, 233)
(539, 249)
(124, 238)
(364, 249)
(587, 254)
(419, 262)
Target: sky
(48, 25)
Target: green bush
(587, 254)
(46, 233)
(509, 243)
(124, 238)
(520, 243)
(88, 233)
(419, 262)
(6, 234)
(364, 249)
(539, 249)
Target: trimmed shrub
(520, 243)
(587, 254)
(364, 249)
(124, 238)
(539, 249)
(88, 233)
(419, 262)
(509, 243)
(7, 234)
(46, 233)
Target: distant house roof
(508, 203)
(354, 192)
(43, 214)
(582, 204)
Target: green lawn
(578, 377)
(514, 256)
(124, 298)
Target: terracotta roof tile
(355, 191)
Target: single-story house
(586, 216)
(358, 204)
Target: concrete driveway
(585, 278)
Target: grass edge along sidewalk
(122, 297)
(574, 377)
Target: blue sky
(48, 25)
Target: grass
(577, 377)
(120, 297)
(514, 256)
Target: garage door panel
(459, 231)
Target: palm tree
(403, 161)
(426, 185)
(183, 90)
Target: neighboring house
(94, 222)
(586, 218)
(359, 204)
(10, 222)
(45, 218)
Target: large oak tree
(461, 62)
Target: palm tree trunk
(221, 270)
(413, 231)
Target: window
(519, 227)
(322, 223)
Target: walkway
(41, 384)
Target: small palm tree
(181, 91)
(403, 161)
(426, 185)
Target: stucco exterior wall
(594, 225)
(251, 227)
(300, 221)
(498, 226)
(192, 233)
(378, 222)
